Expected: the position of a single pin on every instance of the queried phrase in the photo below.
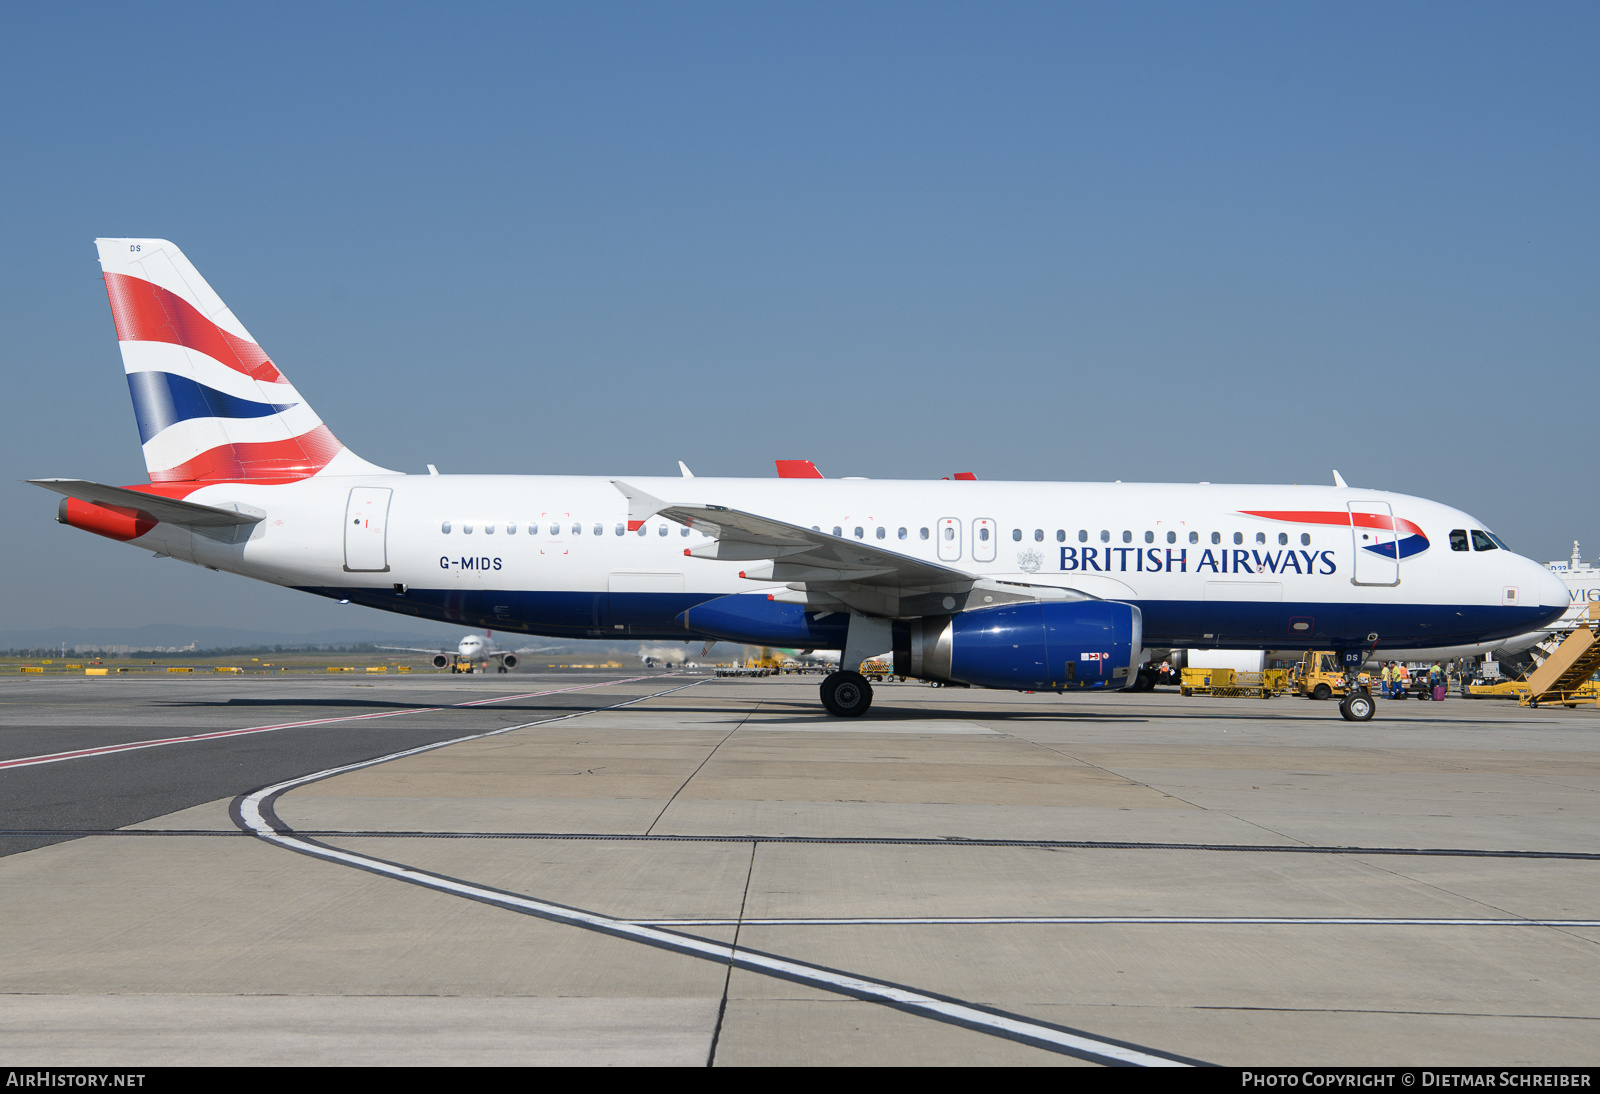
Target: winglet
(641, 506)
(1338, 480)
(797, 469)
(685, 469)
(966, 476)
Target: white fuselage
(552, 554)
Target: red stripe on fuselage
(1360, 520)
(144, 312)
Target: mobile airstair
(1566, 671)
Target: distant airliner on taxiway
(1022, 585)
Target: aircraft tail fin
(211, 405)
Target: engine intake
(1025, 647)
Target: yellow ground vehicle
(1234, 684)
(1320, 676)
(876, 669)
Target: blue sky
(1242, 242)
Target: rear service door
(1376, 547)
(366, 525)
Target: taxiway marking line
(252, 811)
(1091, 920)
(131, 746)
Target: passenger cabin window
(1083, 535)
(860, 534)
(1149, 537)
(682, 532)
(1481, 541)
(983, 535)
(1216, 537)
(1105, 536)
(922, 534)
(1458, 538)
(1238, 538)
(1172, 537)
(445, 528)
(1038, 535)
(488, 529)
(1061, 535)
(837, 530)
(643, 531)
(902, 533)
(600, 529)
(511, 527)
(1194, 537)
(1127, 536)
(466, 529)
(949, 533)
(577, 529)
(1305, 539)
(661, 530)
(555, 529)
(882, 533)
(1261, 537)
(621, 529)
(1016, 535)
(1283, 539)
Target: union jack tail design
(211, 405)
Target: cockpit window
(1481, 541)
(1498, 542)
(1458, 539)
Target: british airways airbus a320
(1020, 585)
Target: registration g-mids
(1022, 585)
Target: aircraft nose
(1553, 592)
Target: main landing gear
(846, 694)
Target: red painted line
(131, 746)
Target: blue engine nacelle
(753, 618)
(1026, 647)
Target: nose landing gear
(1358, 706)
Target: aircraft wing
(851, 573)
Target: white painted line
(1090, 920)
(106, 750)
(1077, 1044)
(133, 746)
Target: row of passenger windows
(1480, 539)
(1061, 535)
(1172, 537)
(554, 529)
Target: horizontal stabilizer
(170, 510)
